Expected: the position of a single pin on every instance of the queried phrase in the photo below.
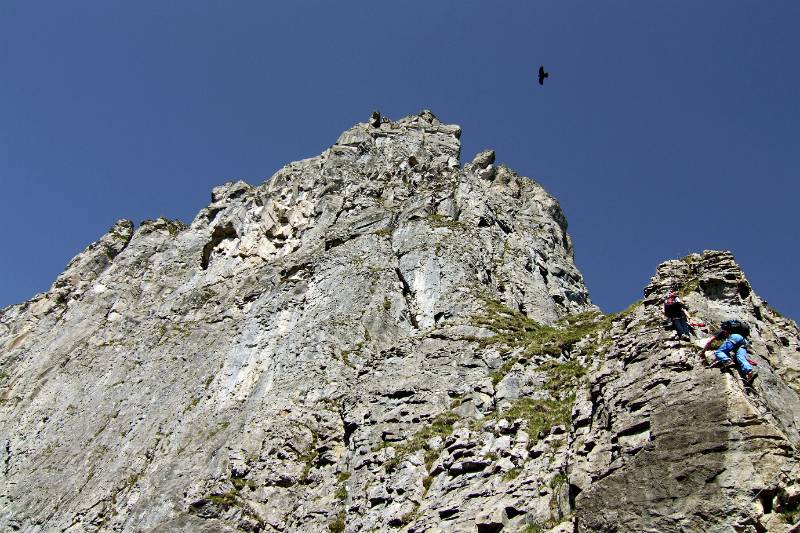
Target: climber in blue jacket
(734, 345)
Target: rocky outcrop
(224, 374)
(378, 338)
(663, 442)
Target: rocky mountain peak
(378, 338)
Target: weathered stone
(504, 465)
(688, 439)
(310, 350)
(490, 521)
(484, 159)
(502, 444)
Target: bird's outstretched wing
(542, 75)
(541, 72)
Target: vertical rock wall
(663, 442)
(378, 338)
(228, 374)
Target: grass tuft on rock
(337, 524)
(581, 331)
(562, 377)
(541, 415)
(516, 330)
(558, 480)
(440, 426)
(512, 474)
(240, 483)
(226, 499)
(437, 220)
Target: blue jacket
(732, 344)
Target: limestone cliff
(378, 338)
(662, 442)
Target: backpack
(670, 304)
(736, 326)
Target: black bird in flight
(542, 75)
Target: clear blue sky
(665, 127)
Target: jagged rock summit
(374, 339)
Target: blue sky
(665, 127)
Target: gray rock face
(379, 339)
(665, 443)
(223, 375)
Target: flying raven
(542, 75)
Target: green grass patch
(540, 527)
(240, 483)
(430, 457)
(341, 491)
(226, 499)
(232, 499)
(515, 330)
(689, 286)
(440, 221)
(512, 474)
(558, 480)
(498, 375)
(309, 458)
(562, 377)
(541, 415)
(410, 516)
(337, 524)
(132, 480)
(174, 226)
(440, 426)
(192, 404)
(102, 427)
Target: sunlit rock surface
(378, 338)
